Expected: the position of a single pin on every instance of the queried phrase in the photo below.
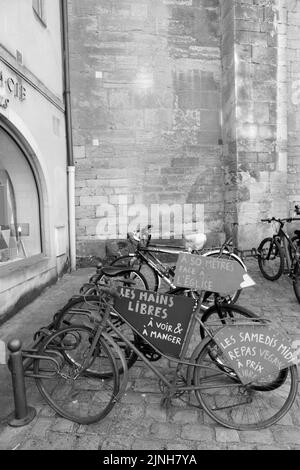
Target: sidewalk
(138, 422)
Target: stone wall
(293, 122)
(149, 82)
(256, 156)
(146, 101)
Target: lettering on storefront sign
(162, 319)
(12, 87)
(210, 274)
(255, 351)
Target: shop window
(39, 9)
(20, 235)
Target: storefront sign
(161, 319)
(208, 273)
(10, 86)
(255, 351)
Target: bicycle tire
(296, 280)
(271, 253)
(231, 412)
(139, 265)
(232, 298)
(225, 314)
(83, 310)
(76, 395)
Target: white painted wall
(40, 46)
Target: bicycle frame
(171, 386)
(288, 245)
(151, 260)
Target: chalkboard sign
(162, 319)
(210, 274)
(255, 351)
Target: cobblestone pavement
(138, 421)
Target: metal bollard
(23, 414)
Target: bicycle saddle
(112, 271)
(195, 241)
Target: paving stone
(148, 444)
(117, 443)
(185, 416)
(227, 435)
(180, 445)
(12, 436)
(197, 432)
(63, 425)
(156, 412)
(88, 442)
(287, 435)
(61, 441)
(130, 412)
(263, 436)
(41, 427)
(36, 444)
(164, 431)
(133, 398)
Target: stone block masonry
(185, 102)
(146, 104)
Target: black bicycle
(144, 259)
(280, 252)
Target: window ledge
(17, 266)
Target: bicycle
(221, 389)
(143, 260)
(274, 251)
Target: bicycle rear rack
(251, 253)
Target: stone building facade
(188, 102)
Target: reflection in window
(19, 204)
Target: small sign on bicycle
(162, 319)
(214, 274)
(256, 351)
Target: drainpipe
(68, 121)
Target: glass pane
(19, 204)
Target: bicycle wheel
(296, 280)
(84, 310)
(270, 259)
(208, 299)
(65, 385)
(238, 406)
(226, 314)
(132, 261)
